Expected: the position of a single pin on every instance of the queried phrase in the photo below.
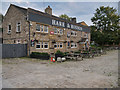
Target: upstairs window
(41, 28)
(73, 33)
(9, 29)
(37, 27)
(46, 29)
(61, 32)
(73, 45)
(55, 31)
(18, 27)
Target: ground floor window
(55, 45)
(61, 45)
(42, 45)
(46, 45)
(58, 45)
(38, 46)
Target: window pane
(61, 31)
(38, 46)
(61, 45)
(46, 29)
(41, 27)
(18, 27)
(37, 27)
(45, 45)
(55, 30)
(55, 45)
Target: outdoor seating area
(81, 54)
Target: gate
(14, 50)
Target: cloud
(83, 11)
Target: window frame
(38, 44)
(55, 29)
(9, 31)
(39, 28)
(47, 44)
(46, 29)
(19, 26)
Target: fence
(0, 40)
(13, 50)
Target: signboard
(55, 21)
(52, 32)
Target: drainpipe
(29, 42)
(29, 37)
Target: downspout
(29, 34)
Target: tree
(106, 26)
(106, 19)
(64, 16)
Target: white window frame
(42, 28)
(74, 45)
(60, 44)
(17, 26)
(55, 29)
(73, 33)
(61, 30)
(56, 45)
(46, 44)
(9, 31)
(19, 41)
(46, 29)
(38, 44)
(37, 29)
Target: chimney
(48, 10)
(73, 19)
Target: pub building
(44, 32)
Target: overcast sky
(83, 11)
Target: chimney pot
(48, 10)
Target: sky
(82, 10)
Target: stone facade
(64, 42)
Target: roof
(38, 16)
(83, 23)
(23, 10)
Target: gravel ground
(98, 72)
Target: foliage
(40, 55)
(106, 26)
(64, 16)
(59, 52)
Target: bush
(59, 54)
(38, 55)
(77, 52)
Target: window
(38, 46)
(38, 27)
(18, 41)
(73, 45)
(42, 45)
(46, 29)
(55, 31)
(61, 32)
(9, 29)
(58, 45)
(18, 27)
(68, 44)
(41, 28)
(55, 45)
(61, 45)
(73, 33)
(46, 45)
